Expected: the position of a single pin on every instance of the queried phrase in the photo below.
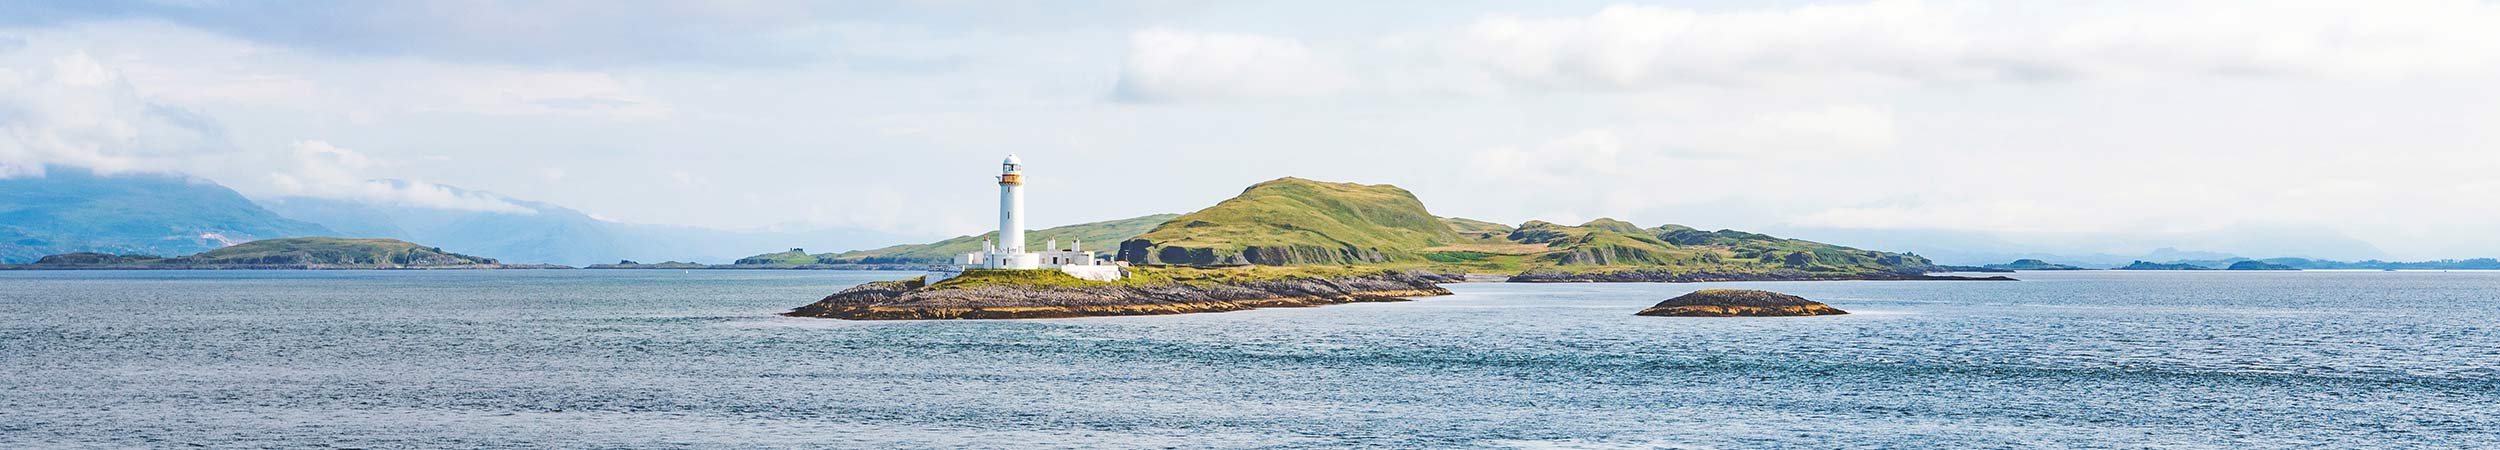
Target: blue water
(696, 359)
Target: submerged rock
(1739, 303)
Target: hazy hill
(1296, 221)
(2321, 264)
(73, 210)
(1100, 236)
(2149, 265)
(2032, 264)
(310, 252)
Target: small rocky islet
(1738, 303)
(972, 297)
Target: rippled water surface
(696, 359)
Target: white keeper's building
(1009, 252)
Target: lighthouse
(1008, 250)
(1011, 217)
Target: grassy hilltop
(1293, 221)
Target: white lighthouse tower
(1009, 252)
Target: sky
(2060, 122)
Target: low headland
(2032, 264)
(310, 253)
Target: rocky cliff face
(908, 300)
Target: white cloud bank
(1855, 46)
(70, 110)
(1167, 64)
(73, 111)
(322, 170)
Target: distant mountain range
(71, 210)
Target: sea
(698, 359)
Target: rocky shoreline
(1667, 276)
(909, 300)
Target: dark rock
(1738, 303)
(908, 300)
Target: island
(308, 253)
(1299, 242)
(1738, 303)
(2258, 265)
(1293, 222)
(2032, 264)
(2149, 265)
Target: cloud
(71, 110)
(1595, 153)
(516, 92)
(1167, 64)
(1636, 47)
(323, 170)
(492, 31)
(1625, 149)
(1871, 45)
(74, 111)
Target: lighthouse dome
(1012, 159)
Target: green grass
(1014, 277)
(1458, 257)
(1475, 229)
(1297, 214)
